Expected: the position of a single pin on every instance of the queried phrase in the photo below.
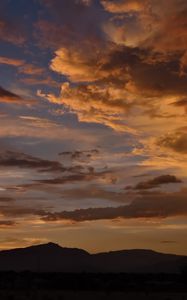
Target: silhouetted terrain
(54, 273)
(53, 258)
(61, 286)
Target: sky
(93, 127)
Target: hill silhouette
(54, 258)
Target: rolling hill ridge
(54, 258)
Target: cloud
(181, 103)
(74, 65)
(159, 205)
(11, 61)
(42, 130)
(81, 156)
(61, 173)
(13, 98)
(22, 160)
(176, 141)
(118, 71)
(172, 21)
(79, 177)
(30, 69)
(123, 6)
(22, 66)
(46, 80)
(11, 31)
(157, 181)
(151, 20)
(93, 104)
(151, 206)
(20, 211)
(93, 192)
(6, 199)
(7, 223)
(121, 80)
(81, 20)
(9, 97)
(123, 65)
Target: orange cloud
(11, 61)
(78, 65)
(40, 80)
(114, 83)
(127, 73)
(23, 67)
(176, 141)
(121, 6)
(94, 104)
(30, 69)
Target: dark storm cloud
(6, 199)
(80, 177)
(12, 98)
(79, 155)
(20, 211)
(22, 160)
(152, 74)
(157, 181)
(160, 205)
(9, 97)
(6, 223)
(156, 206)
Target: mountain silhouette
(54, 258)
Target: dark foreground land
(62, 286)
(53, 258)
(57, 273)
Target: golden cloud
(79, 66)
(11, 61)
(121, 6)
